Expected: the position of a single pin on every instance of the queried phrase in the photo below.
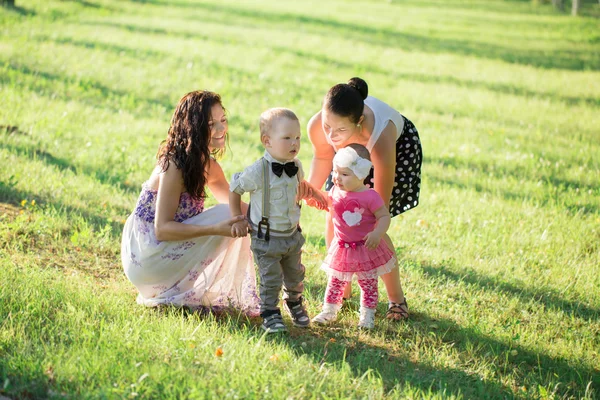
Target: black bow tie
(289, 168)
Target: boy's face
(345, 179)
(283, 140)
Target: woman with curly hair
(173, 250)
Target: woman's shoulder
(374, 102)
(315, 119)
(314, 126)
(154, 179)
(172, 177)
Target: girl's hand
(372, 240)
(225, 228)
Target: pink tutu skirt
(344, 260)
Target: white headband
(347, 157)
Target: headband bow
(347, 157)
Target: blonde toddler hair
(272, 114)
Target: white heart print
(353, 218)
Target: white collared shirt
(284, 211)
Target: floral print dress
(208, 271)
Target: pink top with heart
(353, 213)
(353, 218)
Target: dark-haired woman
(173, 250)
(350, 115)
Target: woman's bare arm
(170, 187)
(383, 157)
(323, 153)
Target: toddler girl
(360, 220)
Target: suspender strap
(265, 203)
(264, 222)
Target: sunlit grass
(500, 261)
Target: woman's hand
(225, 228)
(319, 200)
(305, 191)
(313, 197)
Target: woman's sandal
(397, 311)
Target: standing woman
(174, 251)
(350, 115)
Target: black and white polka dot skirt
(407, 183)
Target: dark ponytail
(347, 99)
(359, 85)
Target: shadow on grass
(548, 297)
(12, 196)
(353, 68)
(549, 200)
(85, 3)
(136, 53)
(140, 53)
(93, 92)
(18, 9)
(335, 346)
(554, 188)
(494, 87)
(63, 165)
(561, 58)
(87, 90)
(501, 88)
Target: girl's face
(338, 129)
(346, 180)
(218, 127)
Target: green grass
(502, 271)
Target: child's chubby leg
(333, 301)
(368, 302)
(293, 279)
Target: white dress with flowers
(208, 271)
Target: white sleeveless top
(382, 114)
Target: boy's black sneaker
(273, 322)
(297, 313)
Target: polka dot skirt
(407, 183)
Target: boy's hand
(372, 240)
(225, 228)
(239, 228)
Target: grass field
(500, 261)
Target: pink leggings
(368, 287)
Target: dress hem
(347, 276)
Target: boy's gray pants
(279, 264)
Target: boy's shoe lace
(297, 313)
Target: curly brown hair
(187, 143)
